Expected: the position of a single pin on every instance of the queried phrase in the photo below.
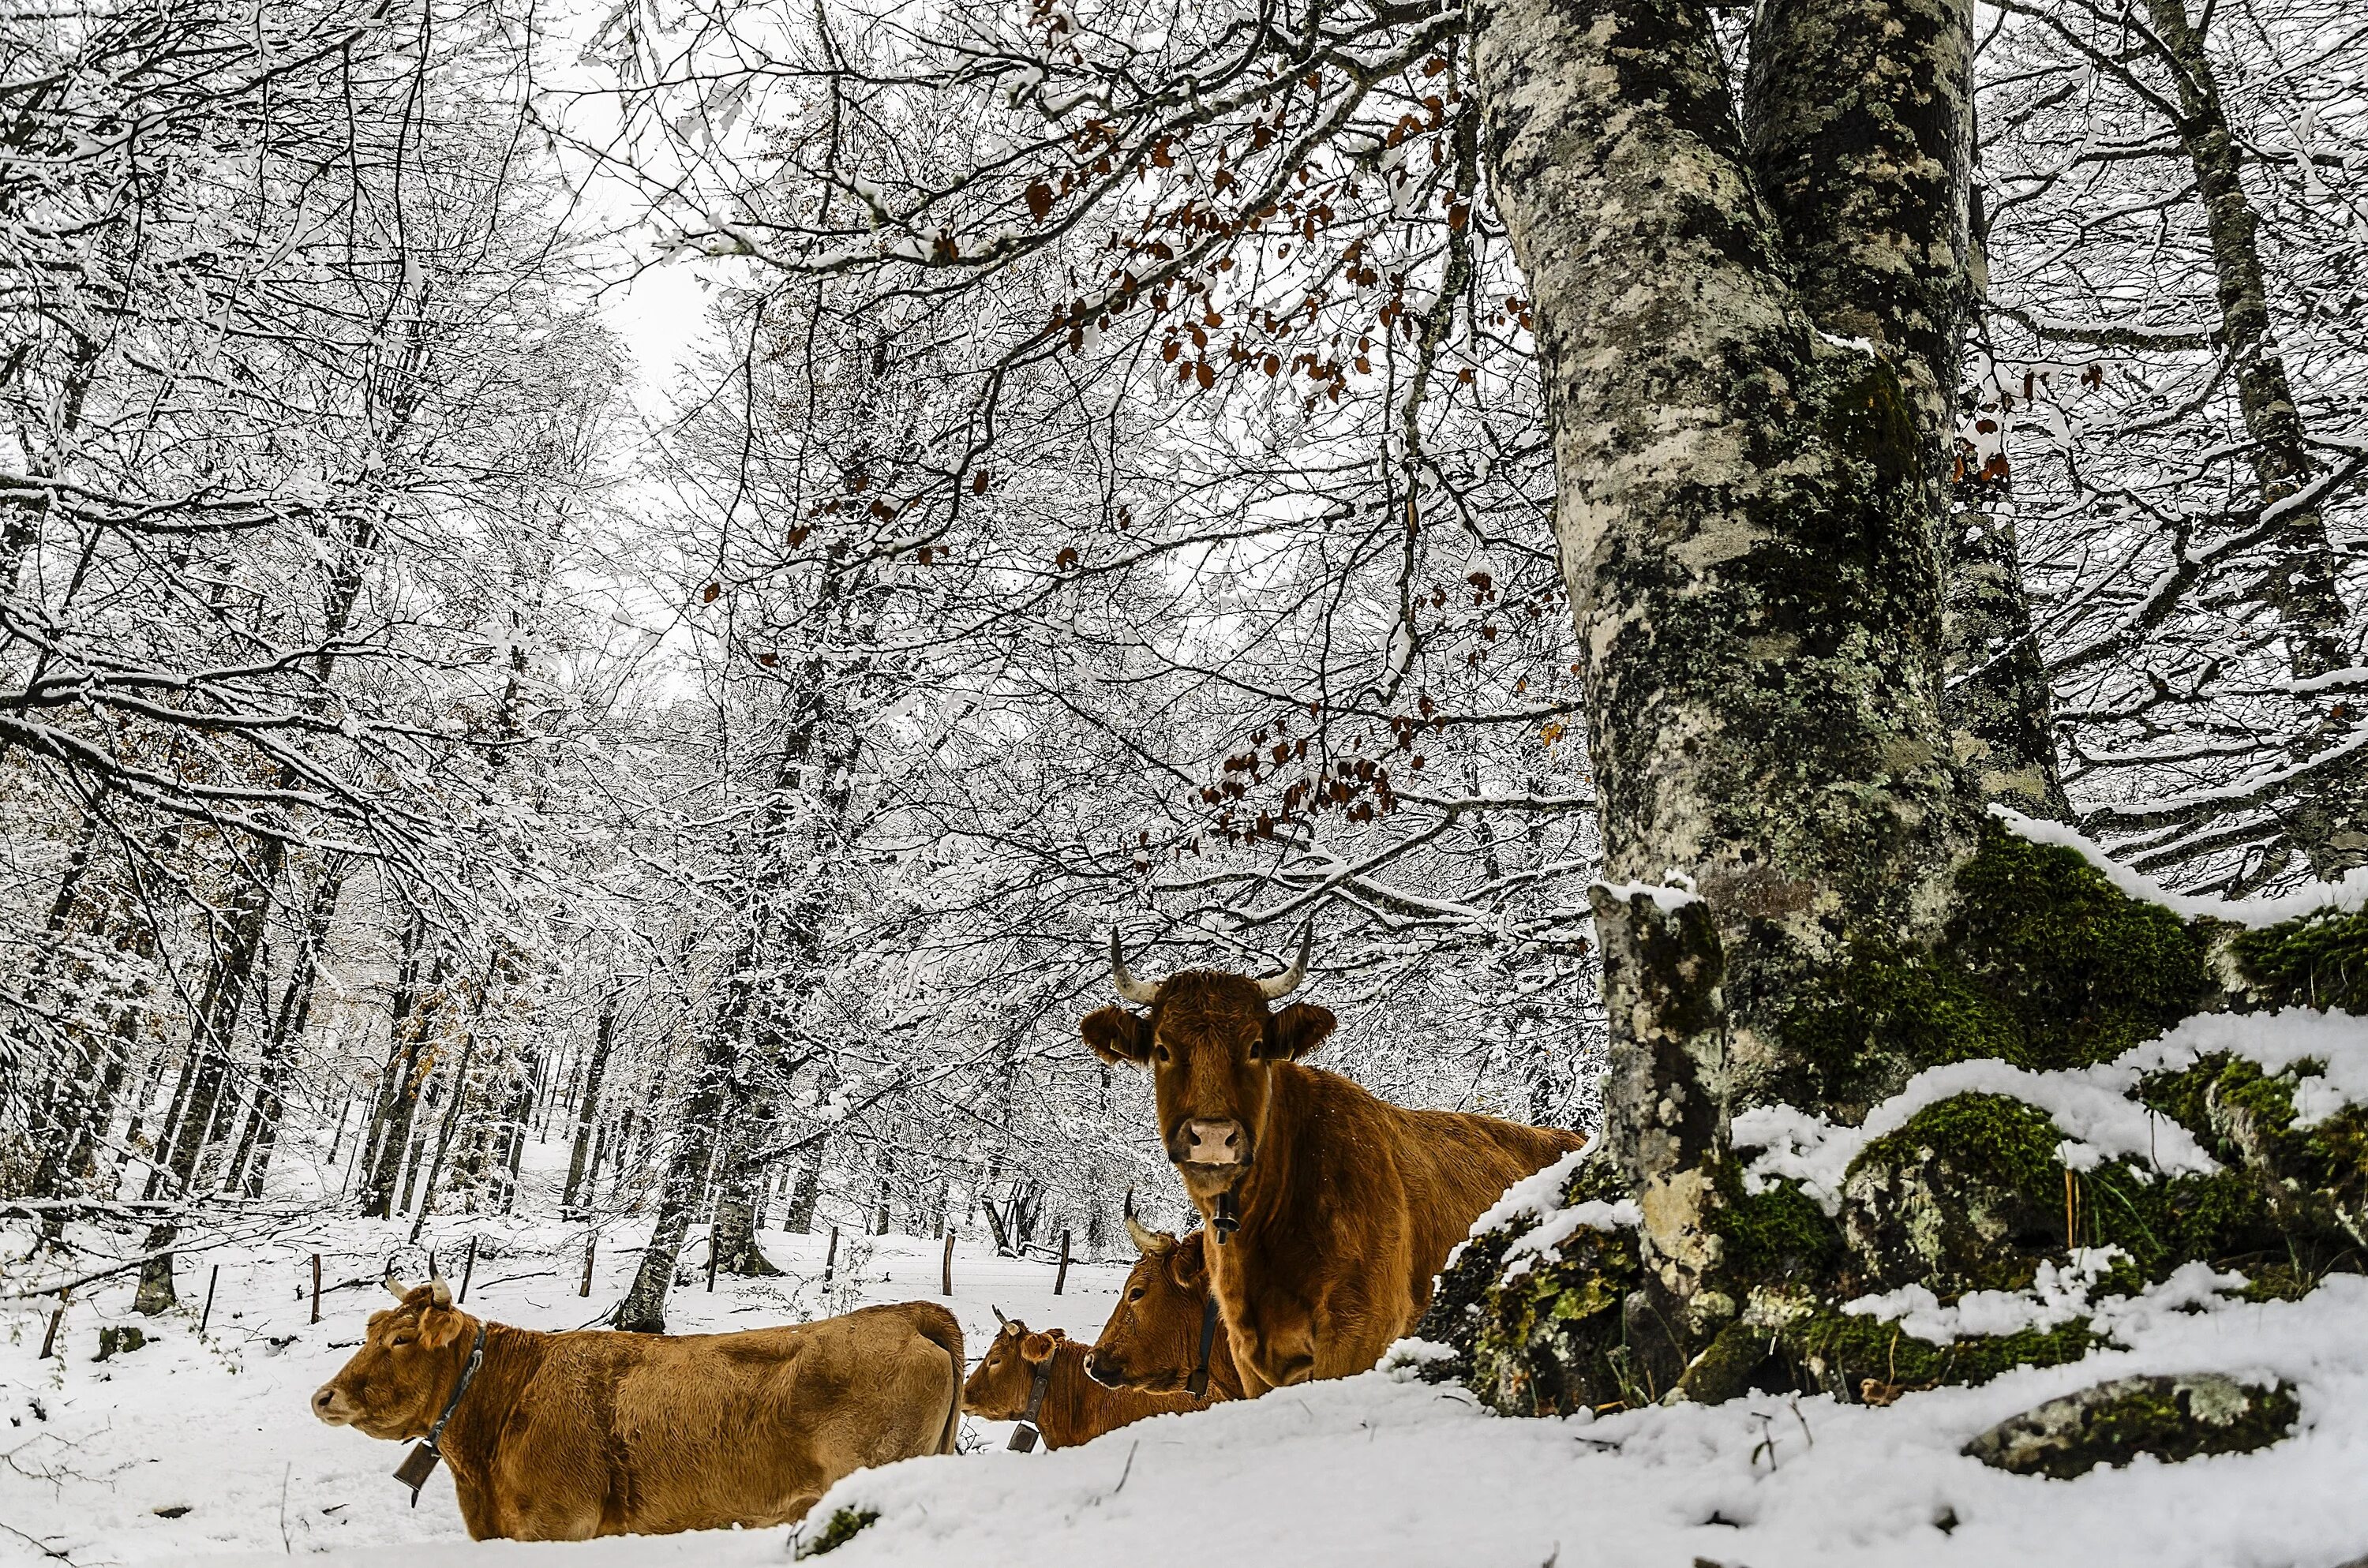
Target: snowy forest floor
(198, 1446)
(214, 1431)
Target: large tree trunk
(1746, 515)
(1807, 903)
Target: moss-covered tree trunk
(1842, 996)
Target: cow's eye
(1160, 1051)
(1135, 1294)
(399, 1341)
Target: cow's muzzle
(1210, 1143)
(330, 1405)
(1105, 1371)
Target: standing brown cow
(564, 1436)
(1347, 1205)
(1047, 1371)
(1152, 1339)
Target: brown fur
(1152, 1338)
(1076, 1409)
(564, 1436)
(1349, 1205)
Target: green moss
(1840, 1352)
(2085, 970)
(1507, 1333)
(1967, 1195)
(1551, 1338)
(1890, 1012)
(2223, 1218)
(1997, 1138)
(1777, 1235)
(2319, 960)
(844, 1526)
(2045, 965)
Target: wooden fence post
(591, 1245)
(317, 1286)
(468, 1269)
(212, 1280)
(714, 1254)
(830, 1258)
(948, 1282)
(49, 1340)
(1062, 1277)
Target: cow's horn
(439, 1291)
(1147, 1242)
(1140, 992)
(1283, 984)
(997, 1311)
(396, 1288)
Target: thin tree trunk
(587, 1105)
(807, 1193)
(398, 1097)
(459, 1093)
(2332, 829)
(288, 1027)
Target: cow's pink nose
(1210, 1143)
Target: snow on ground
(94, 1455)
(1372, 1471)
(1368, 1472)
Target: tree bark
(1743, 509)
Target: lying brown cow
(1154, 1339)
(564, 1436)
(1347, 1205)
(1071, 1407)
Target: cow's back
(665, 1433)
(1456, 1165)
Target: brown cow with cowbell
(1039, 1379)
(565, 1436)
(1333, 1210)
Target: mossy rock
(842, 1527)
(2309, 1183)
(1778, 1236)
(2173, 1418)
(1967, 1195)
(2319, 960)
(1843, 1353)
(1549, 1339)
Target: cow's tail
(938, 1326)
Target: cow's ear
(440, 1326)
(1297, 1030)
(1188, 1266)
(1036, 1349)
(1116, 1035)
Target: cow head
(1212, 1042)
(397, 1382)
(1153, 1337)
(997, 1387)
